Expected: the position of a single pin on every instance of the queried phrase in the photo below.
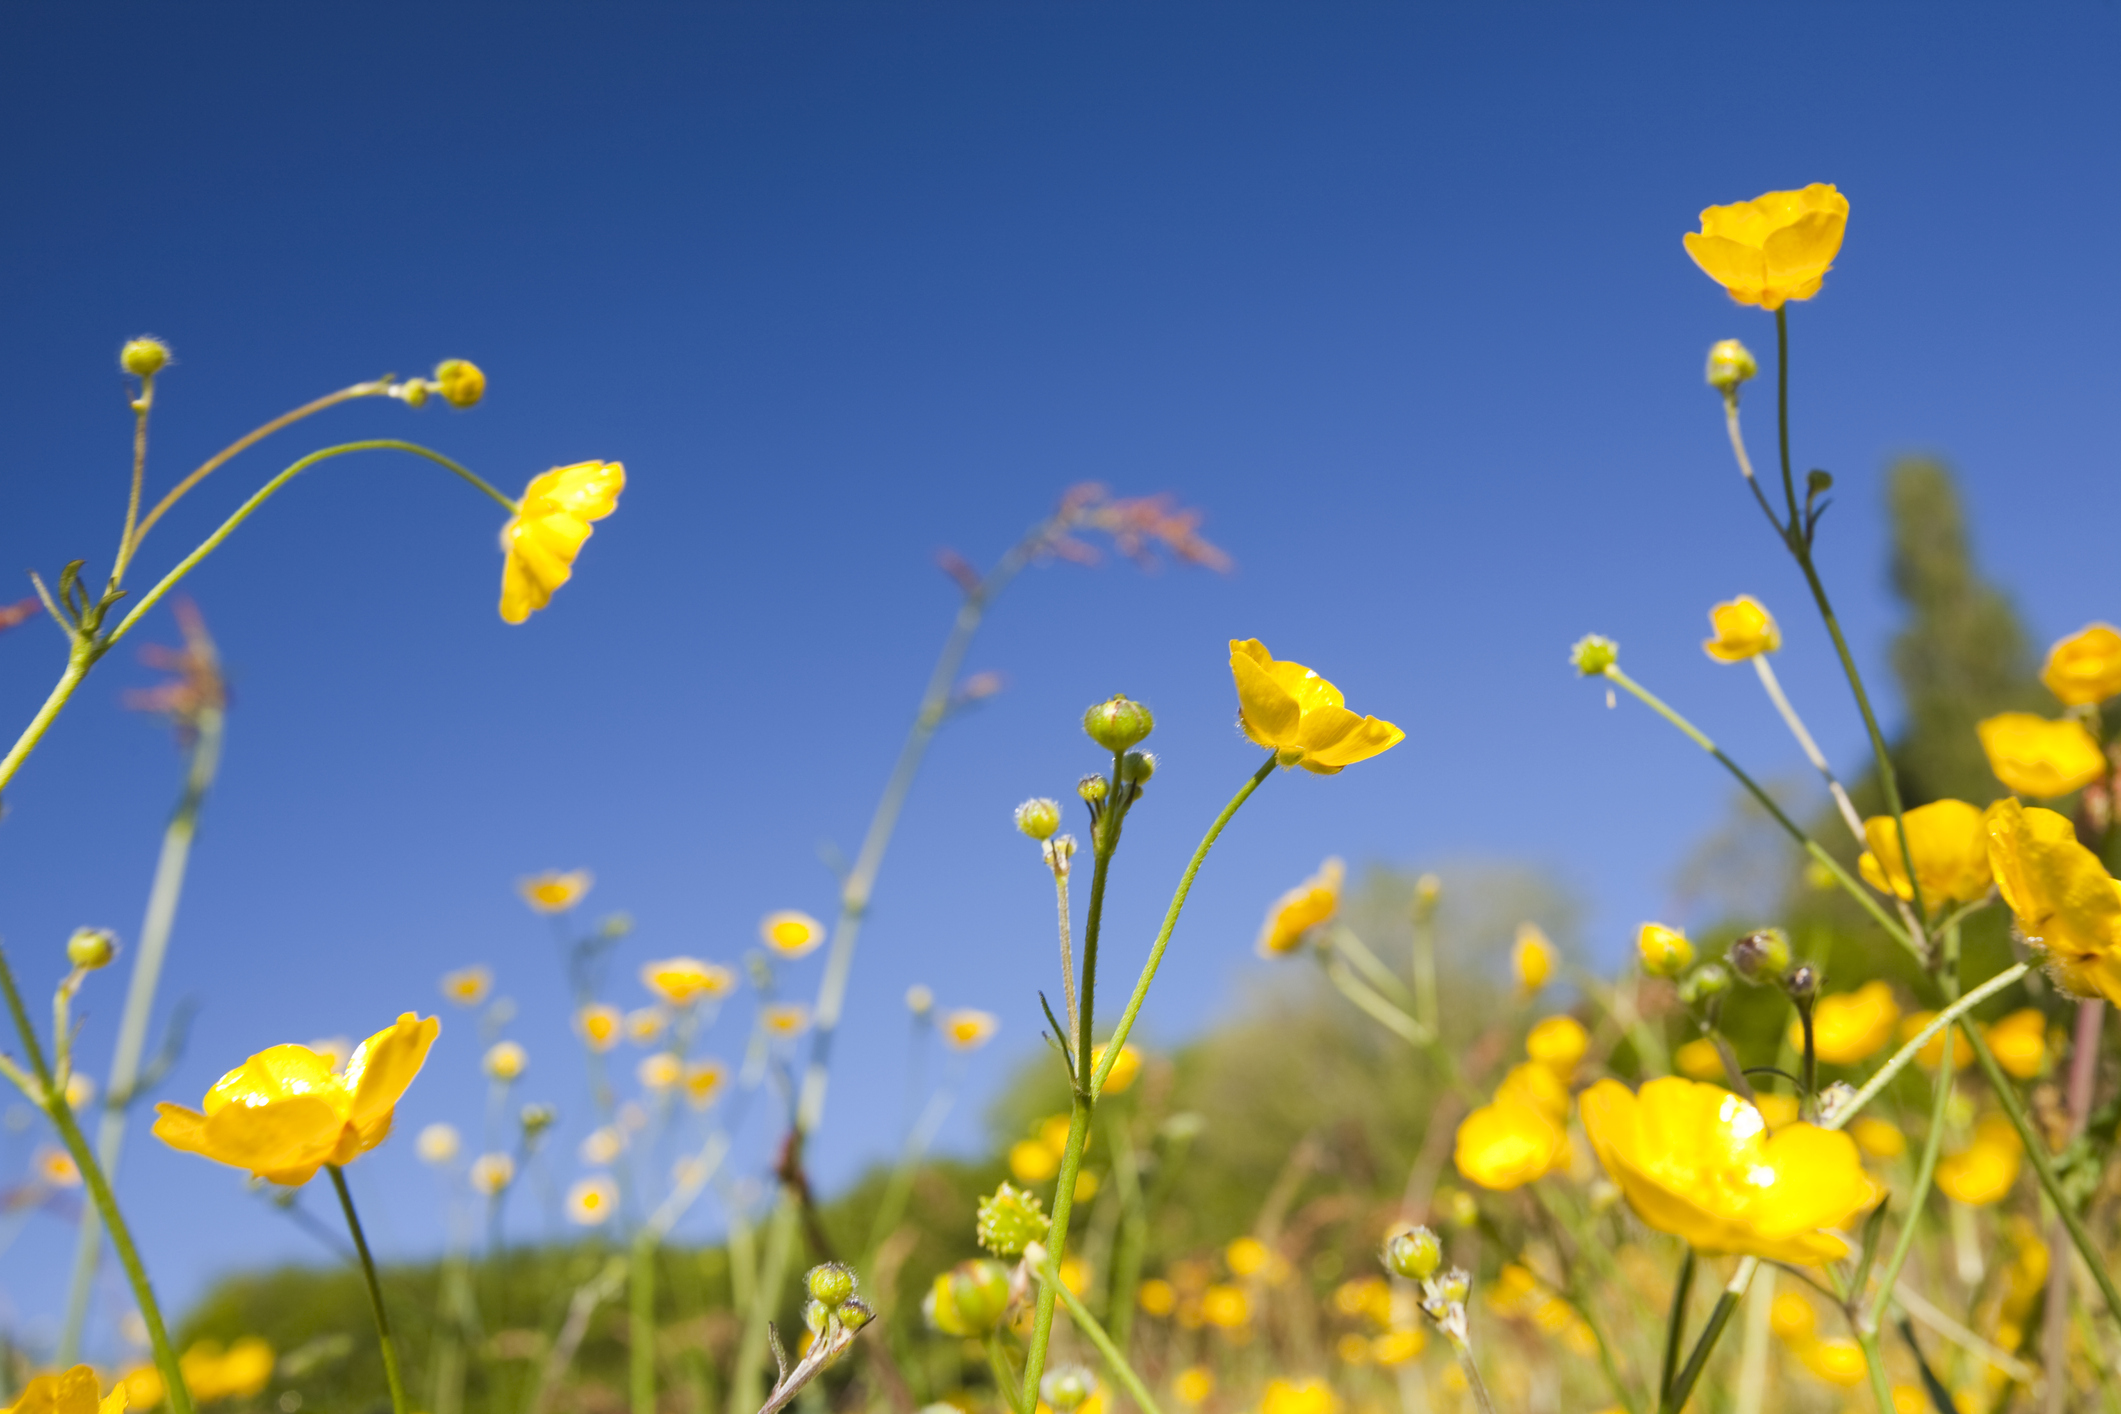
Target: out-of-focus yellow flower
(553, 891)
(1309, 905)
(285, 1111)
(1395, 1348)
(1194, 1384)
(1156, 1296)
(2066, 903)
(1837, 1360)
(1744, 629)
(1849, 1026)
(1696, 1161)
(659, 1071)
(969, 1299)
(1537, 1086)
(1298, 1397)
(704, 1080)
(2019, 1042)
(1914, 1399)
(460, 382)
(645, 1025)
(1932, 1053)
(1949, 840)
(1699, 1059)
(1665, 952)
(785, 1019)
(2085, 667)
(1877, 1137)
(80, 1091)
(438, 1144)
(240, 1372)
(1532, 958)
(1303, 717)
(546, 532)
(1086, 1185)
(791, 933)
(505, 1061)
(1074, 1273)
(1772, 249)
(74, 1392)
(2037, 757)
(1367, 1296)
(599, 1026)
(680, 981)
(591, 1201)
(1124, 1069)
(1225, 1307)
(55, 1168)
(467, 986)
(1558, 1043)
(1777, 1111)
(1032, 1162)
(490, 1173)
(1352, 1349)
(1507, 1144)
(967, 1030)
(143, 1387)
(603, 1145)
(1983, 1172)
(1247, 1256)
(1792, 1318)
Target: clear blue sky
(1396, 293)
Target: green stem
(1005, 1383)
(78, 662)
(1383, 978)
(1874, 1365)
(1056, 1241)
(1675, 1325)
(1899, 1062)
(1388, 1015)
(1782, 409)
(1104, 841)
(1683, 1387)
(1095, 1333)
(398, 1403)
(54, 1104)
(1925, 1174)
(641, 1323)
(1425, 996)
(1481, 1400)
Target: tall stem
(1067, 950)
(398, 1403)
(2083, 1071)
(641, 1324)
(1675, 1324)
(78, 662)
(1115, 1359)
(1682, 1388)
(1925, 1174)
(141, 407)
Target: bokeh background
(1394, 293)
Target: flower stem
(1675, 1325)
(1067, 950)
(78, 662)
(1481, 1400)
(1049, 1280)
(641, 1323)
(398, 1403)
(141, 406)
(1773, 687)
(1841, 1116)
(1682, 1388)
(1925, 1174)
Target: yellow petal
(385, 1065)
(283, 1141)
(1267, 710)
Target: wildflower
(2085, 668)
(2037, 757)
(506, 1061)
(1352, 1349)
(1777, 1112)
(1039, 817)
(1298, 1397)
(1009, 1221)
(1950, 843)
(1309, 905)
(1124, 1069)
(703, 1081)
(791, 933)
(2065, 902)
(1983, 1172)
(536, 1119)
(645, 1025)
(682, 980)
(600, 1026)
(1838, 1360)
(546, 533)
(785, 1019)
(1696, 1161)
(285, 1111)
(1849, 1026)
(56, 1168)
(1792, 1318)
(1731, 366)
(603, 1145)
(1665, 952)
(143, 357)
(1877, 1137)
(1414, 1254)
(1519, 1135)
(1774, 248)
(1086, 1185)
(1194, 1384)
(590, 1200)
(143, 1387)
(460, 382)
(1157, 1297)
(1932, 1053)
(1558, 1043)
(1532, 959)
(91, 948)
(920, 1000)
(1395, 1348)
(1744, 629)
(80, 1091)
(1592, 654)
(1032, 1162)
(437, 1144)
(467, 986)
(1302, 716)
(1066, 1387)
(1117, 724)
(554, 892)
(1700, 1059)
(2019, 1042)
(659, 1071)
(490, 1173)
(969, 1299)
(966, 1029)
(1225, 1307)
(1247, 1256)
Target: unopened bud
(1137, 766)
(1067, 1387)
(1092, 788)
(143, 357)
(1801, 982)
(1038, 818)
(1116, 723)
(1730, 365)
(1706, 981)
(1593, 654)
(538, 1118)
(1835, 1098)
(460, 382)
(854, 1313)
(1414, 1255)
(919, 1000)
(1760, 958)
(832, 1284)
(413, 392)
(1057, 852)
(1427, 890)
(815, 1314)
(91, 948)
(1010, 1221)
(1454, 1285)
(1665, 952)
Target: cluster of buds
(457, 381)
(834, 1315)
(1118, 725)
(1039, 818)
(1763, 959)
(1417, 1255)
(970, 1299)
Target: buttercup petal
(385, 1065)
(283, 1136)
(1268, 711)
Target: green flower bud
(1428, 889)
(1760, 958)
(832, 1284)
(413, 392)
(460, 382)
(1067, 1386)
(1706, 981)
(1092, 788)
(1009, 1221)
(1801, 982)
(1039, 818)
(91, 948)
(1454, 1285)
(854, 1314)
(970, 1299)
(1730, 364)
(1593, 654)
(815, 1315)
(143, 357)
(1414, 1255)
(1116, 723)
(1137, 766)
(538, 1118)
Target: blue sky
(1394, 293)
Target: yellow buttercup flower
(1247, 1256)
(285, 1111)
(2065, 901)
(55, 1168)
(1194, 1384)
(1508, 1143)
(546, 532)
(659, 1071)
(1744, 629)
(1309, 905)
(967, 1029)
(1312, 1396)
(1665, 952)
(1127, 1066)
(1352, 1349)
(1558, 1043)
(645, 1025)
(1849, 1026)
(505, 1061)
(1395, 1348)
(591, 1201)
(1303, 717)
(2040, 758)
(1837, 1360)
(2019, 1042)
(1156, 1296)
(1792, 1318)
(785, 1019)
(1949, 840)
(460, 382)
(1032, 1162)
(791, 933)
(74, 1392)
(553, 891)
(1877, 1137)
(1700, 1059)
(1777, 1112)
(1696, 1161)
(681, 981)
(1532, 958)
(1772, 249)
(490, 1173)
(600, 1026)
(2085, 668)
(1983, 1172)
(240, 1372)
(468, 986)
(1225, 1307)
(703, 1082)
(1932, 1053)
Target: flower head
(468, 986)
(1744, 629)
(546, 533)
(1983, 1172)
(1774, 248)
(74, 1392)
(2085, 668)
(1699, 1059)
(1302, 716)
(505, 1061)
(1532, 958)
(1949, 840)
(1011, 1220)
(966, 1029)
(553, 891)
(1558, 1043)
(2065, 902)
(2019, 1042)
(659, 1071)
(437, 1144)
(969, 1299)
(1309, 905)
(591, 1200)
(460, 382)
(645, 1025)
(2040, 758)
(1849, 1026)
(55, 1167)
(1592, 654)
(1194, 1384)
(1125, 1066)
(1932, 1053)
(703, 1081)
(1731, 366)
(1877, 1137)
(680, 981)
(1507, 1143)
(285, 1111)
(1665, 952)
(600, 1025)
(490, 1173)
(785, 1019)
(1696, 1161)
(791, 933)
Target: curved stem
(398, 1402)
(1675, 1324)
(1481, 1399)
(78, 662)
(1900, 1058)
(1812, 753)
(1104, 839)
